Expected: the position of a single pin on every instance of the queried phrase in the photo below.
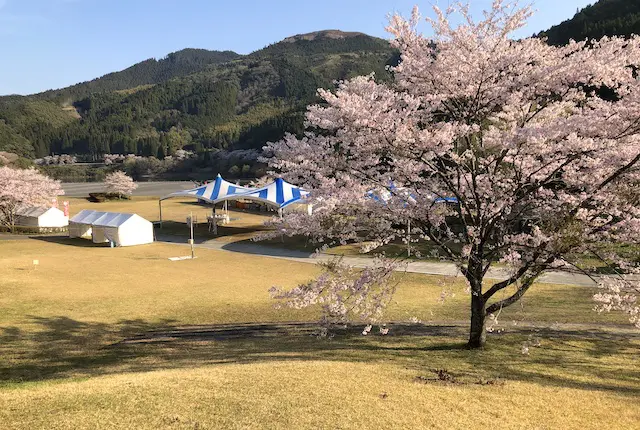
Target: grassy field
(245, 226)
(95, 337)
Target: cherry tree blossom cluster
(110, 159)
(620, 295)
(7, 158)
(119, 183)
(345, 293)
(56, 159)
(24, 188)
(494, 149)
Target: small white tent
(40, 217)
(119, 228)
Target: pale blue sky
(55, 43)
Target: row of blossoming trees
(25, 188)
(536, 148)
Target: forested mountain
(604, 18)
(207, 101)
(193, 99)
(148, 72)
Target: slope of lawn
(95, 337)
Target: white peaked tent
(41, 217)
(121, 229)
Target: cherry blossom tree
(24, 188)
(119, 183)
(495, 150)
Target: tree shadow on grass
(172, 231)
(60, 347)
(269, 249)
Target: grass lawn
(96, 337)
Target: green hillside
(147, 72)
(11, 141)
(603, 18)
(156, 110)
(207, 101)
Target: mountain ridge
(208, 101)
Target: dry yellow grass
(96, 337)
(307, 395)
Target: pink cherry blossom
(118, 182)
(24, 188)
(534, 146)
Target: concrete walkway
(425, 267)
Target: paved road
(425, 267)
(82, 189)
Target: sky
(47, 44)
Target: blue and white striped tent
(213, 192)
(279, 193)
(383, 195)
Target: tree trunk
(478, 333)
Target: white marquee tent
(41, 217)
(121, 229)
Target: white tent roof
(34, 211)
(101, 219)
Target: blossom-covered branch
(493, 149)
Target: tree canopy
(490, 149)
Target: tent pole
(280, 213)
(160, 204)
(215, 221)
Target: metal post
(160, 204)
(409, 237)
(280, 214)
(191, 240)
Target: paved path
(82, 189)
(426, 267)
